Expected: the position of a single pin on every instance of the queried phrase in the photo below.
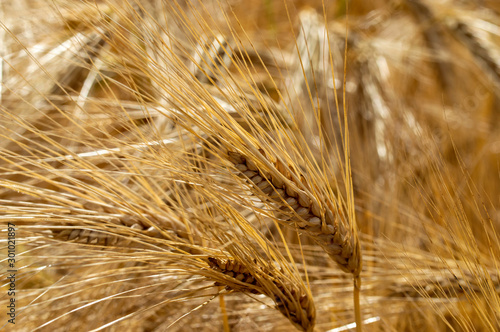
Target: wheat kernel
(290, 191)
(241, 167)
(316, 209)
(314, 221)
(137, 227)
(278, 182)
(303, 199)
(74, 234)
(236, 158)
(252, 166)
(303, 212)
(256, 179)
(249, 174)
(329, 217)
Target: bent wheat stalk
(313, 211)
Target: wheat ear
(165, 228)
(484, 51)
(292, 301)
(315, 219)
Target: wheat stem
(357, 308)
(222, 304)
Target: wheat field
(259, 165)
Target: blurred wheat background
(258, 165)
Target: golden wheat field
(250, 165)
